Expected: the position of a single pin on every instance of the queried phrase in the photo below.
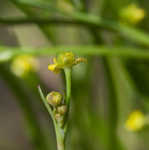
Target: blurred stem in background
(39, 141)
(112, 102)
(124, 30)
(34, 131)
(30, 14)
(112, 139)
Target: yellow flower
(136, 121)
(132, 14)
(23, 64)
(64, 60)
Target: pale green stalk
(60, 131)
(7, 53)
(68, 84)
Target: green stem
(31, 14)
(7, 53)
(68, 84)
(60, 133)
(60, 137)
(40, 21)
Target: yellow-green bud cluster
(60, 114)
(55, 99)
(64, 60)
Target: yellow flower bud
(23, 64)
(132, 14)
(62, 109)
(54, 98)
(136, 121)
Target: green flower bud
(54, 98)
(62, 109)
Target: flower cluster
(55, 100)
(65, 60)
(132, 14)
(135, 121)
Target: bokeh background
(104, 91)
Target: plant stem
(31, 14)
(60, 138)
(68, 84)
(60, 132)
(7, 53)
(40, 21)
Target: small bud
(58, 116)
(54, 98)
(62, 109)
(136, 121)
(59, 119)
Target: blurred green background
(112, 35)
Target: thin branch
(7, 53)
(40, 21)
(89, 19)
